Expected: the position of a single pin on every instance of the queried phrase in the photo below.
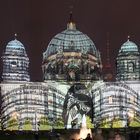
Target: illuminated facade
(116, 100)
(30, 100)
(72, 84)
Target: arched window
(131, 67)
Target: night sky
(37, 21)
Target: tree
(44, 123)
(117, 123)
(12, 124)
(59, 123)
(135, 122)
(27, 124)
(89, 122)
(105, 123)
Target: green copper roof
(15, 44)
(128, 46)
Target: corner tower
(128, 62)
(15, 62)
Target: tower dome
(71, 47)
(15, 44)
(128, 46)
(128, 62)
(15, 62)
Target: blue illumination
(15, 44)
(129, 46)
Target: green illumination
(89, 122)
(27, 125)
(134, 122)
(12, 124)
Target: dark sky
(37, 21)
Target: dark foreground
(63, 134)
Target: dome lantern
(71, 24)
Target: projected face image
(77, 103)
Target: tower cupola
(128, 62)
(15, 62)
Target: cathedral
(73, 83)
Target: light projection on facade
(15, 62)
(72, 86)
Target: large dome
(71, 40)
(71, 55)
